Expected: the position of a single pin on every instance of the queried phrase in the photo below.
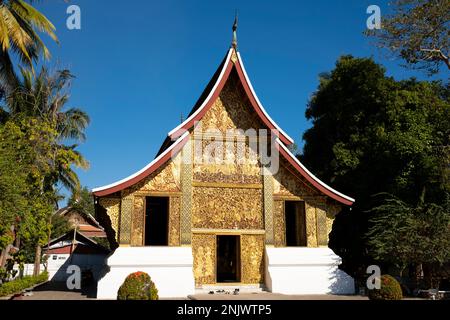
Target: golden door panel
(204, 252)
(279, 228)
(174, 221)
(252, 259)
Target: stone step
(229, 289)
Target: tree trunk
(37, 261)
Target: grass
(18, 285)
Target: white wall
(57, 265)
(296, 270)
(171, 269)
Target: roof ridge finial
(235, 25)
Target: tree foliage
(372, 134)
(418, 32)
(402, 234)
(37, 128)
(20, 24)
(36, 131)
(83, 201)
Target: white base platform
(169, 267)
(288, 271)
(306, 271)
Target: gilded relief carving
(288, 184)
(204, 252)
(232, 109)
(227, 208)
(233, 163)
(137, 234)
(165, 179)
(174, 221)
(252, 259)
(279, 224)
(112, 206)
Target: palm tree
(44, 96)
(20, 23)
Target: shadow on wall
(105, 221)
(92, 268)
(340, 282)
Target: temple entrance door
(156, 221)
(228, 259)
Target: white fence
(57, 265)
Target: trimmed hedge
(138, 286)
(390, 289)
(20, 284)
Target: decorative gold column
(126, 212)
(279, 224)
(268, 207)
(186, 199)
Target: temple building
(224, 204)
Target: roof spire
(235, 25)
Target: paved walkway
(272, 296)
(58, 291)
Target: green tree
(418, 32)
(82, 201)
(44, 97)
(30, 142)
(402, 234)
(20, 24)
(13, 181)
(372, 134)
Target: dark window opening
(156, 221)
(295, 223)
(228, 259)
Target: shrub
(390, 290)
(138, 286)
(20, 284)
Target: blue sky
(140, 64)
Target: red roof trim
(248, 90)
